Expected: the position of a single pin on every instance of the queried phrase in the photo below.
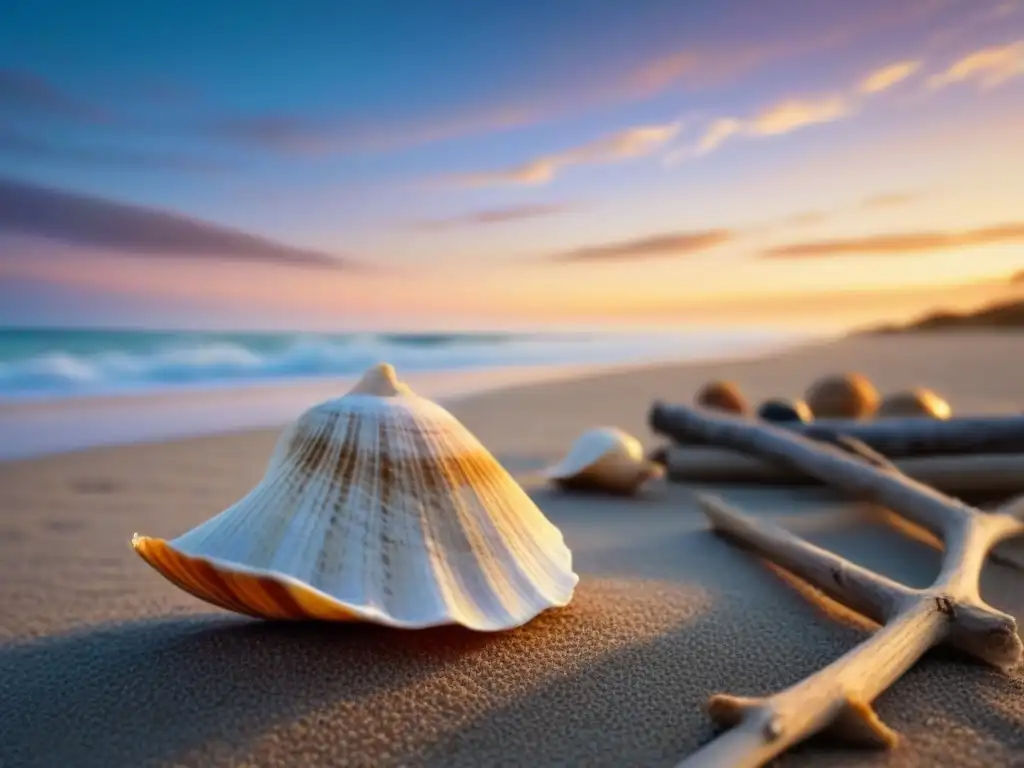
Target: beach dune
(103, 663)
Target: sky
(471, 164)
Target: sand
(102, 663)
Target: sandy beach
(103, 663)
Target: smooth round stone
(722, 396)
(785, 410)
(919, 402)
(843, 396)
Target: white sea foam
(192, 361)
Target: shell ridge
(440, 587)
(412, 540)
(538, 545)
(545, 553)
(328, 573)
(348, 574)
(514, 588)
(282, 518)
(228, 535)
(521, 574)
(275, 518)
(313, 533)
(450, 531)
(537, 529)
(373, 589)
(486, 597)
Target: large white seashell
(377, 506)
(604, 458)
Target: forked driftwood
(838, 698)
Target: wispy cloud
(900, 243)
(668, 244)
(886, 77)
(582, 83)
(36, 147)
(491, 216)
(87, 221)
(782, 117)
(25, 93)
(987, 67)
(718, 132)
(793, 114)
(630, 143)
(879, 201)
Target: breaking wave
(56, 363)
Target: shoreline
(35, 428)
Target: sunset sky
(427, 164)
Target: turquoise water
(67, 362)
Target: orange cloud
(886, 77)
(670, 244)
(792, 114)
(900, 243)
(988, 67)
(783, 117)
(630, 143)
(717, 133)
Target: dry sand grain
(103, 663)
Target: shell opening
(381, 381)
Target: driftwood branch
(894, 438)
(837, 699)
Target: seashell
(781, 411)
(920, 402)
(842, 396)
(722, 396)
(376, 506)
(604, 459)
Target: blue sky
(330, 162)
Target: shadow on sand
(620, 677)
(154, 690)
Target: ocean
(58, 363)
(66, 389)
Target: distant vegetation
(1006, 315)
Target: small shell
(376, 506)
(920, 402)
(781, 411)
(604, 459)
(722, 396)
(842, 396)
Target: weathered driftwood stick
(895, 438)
(838, 698)
(964, 474)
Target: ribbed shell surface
(382, 509)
